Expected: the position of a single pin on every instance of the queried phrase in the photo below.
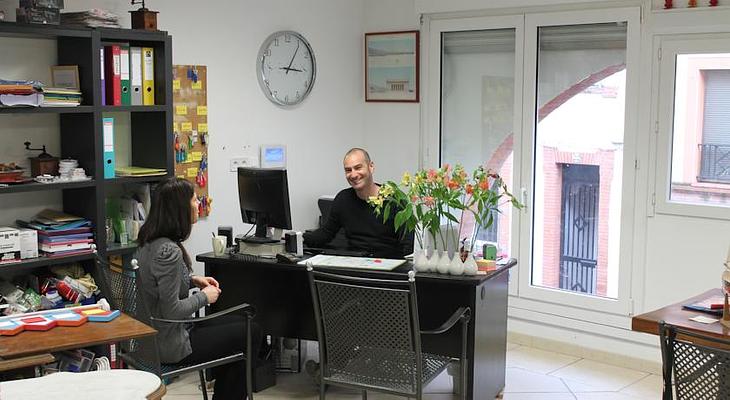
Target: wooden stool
(116, 384)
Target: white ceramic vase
(420, 261)
(443, 263)
(470, 265)
(456, 267)
(433, 261)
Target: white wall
(226, 38)
(391, 130)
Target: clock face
(286, 68)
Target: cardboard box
(9, 244)
(28, 243)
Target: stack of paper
(60, 97)
(61, 234)
(94, 18)
(139, 171)
(20, 93)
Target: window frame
(668, 47)
(623, 304)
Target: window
(694, 127)
(547, 100)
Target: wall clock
(286, 68)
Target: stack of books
(60, 97)
(61, 234)
(94, 18)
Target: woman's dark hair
(170, 216)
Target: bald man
(350, 210)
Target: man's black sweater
(365, 231)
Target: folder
(103, 84)
(112, 61)
(148, 76)
(109, 161)
(124, 74)
(135, 74)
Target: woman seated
(165, 273)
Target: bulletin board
(190, 127)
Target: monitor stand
(259, 240)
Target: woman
(165, 273)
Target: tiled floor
(532, 374)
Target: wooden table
(675, 315)
(60, 338)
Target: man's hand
(211, 293)
(204, 281)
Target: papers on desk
(704, 320)
(377, 264)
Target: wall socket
(242, 162)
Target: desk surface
(675, 315)
(65, 338)
(471, 280)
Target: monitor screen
(264, 198)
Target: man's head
(358, 168)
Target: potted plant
(425, 201)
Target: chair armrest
(461, 314)
(247, 308)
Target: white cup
(219, 245)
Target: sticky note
(704, 320)
(189, 157)
(197, 85)
(181, 110)
(186, 126)
(174, 127)
(197, 155)
(202, 127)
(176, 84)
(202, 110)
(181, 176)
(192, 172)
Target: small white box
(28, 243)
(9, 244)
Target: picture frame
(65, 76)
(392, 66)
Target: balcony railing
(714, 163)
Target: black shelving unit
(81, 135)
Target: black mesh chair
(696, 366)
(119, 286)
(369, 336)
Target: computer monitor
(264, 198)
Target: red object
(716, 306)
(713, 3)
(36, 323)
(692, 3)
(113, 75)
(32, 320)
(668, 4)
(378, 261)
(67, 292)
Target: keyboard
(369, 263)
(335, 252)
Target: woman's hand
(204, 281)
(212, 293)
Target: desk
(675, 315)
(64, 337)
(280, 293)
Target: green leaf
(451, 217)
(400, 218)
(386, 214)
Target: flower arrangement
(423, 200)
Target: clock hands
(292, 57)
(287, 69)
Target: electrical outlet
(241, 162)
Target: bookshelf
(80, 128)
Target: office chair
(369, 336)
(120, 286)
(696, 366)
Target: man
(365, 231)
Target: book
(708, 305)
(139, 171)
